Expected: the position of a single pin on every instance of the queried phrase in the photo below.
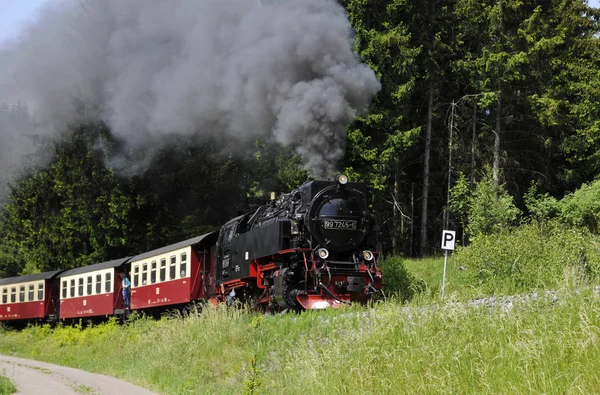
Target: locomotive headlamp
(368, 255)
(342, 179)
(323, 253)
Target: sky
(15, 15)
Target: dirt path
(33, 378)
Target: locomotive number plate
(340, 224)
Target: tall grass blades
(547, 345)
(6, 386)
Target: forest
(488, 115)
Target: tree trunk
(423, 243)
(496, 165)
(396, 216)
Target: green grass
(6, 386)
(431, 270)
(542, 347)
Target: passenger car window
(107, 282)
(64, 289)
(13, 295)
(40, 291)
(22, 293)
(31, 293)
(80, 288)
(144, 273)
(173, 268)
(5, 295)
(183, 265)
(89, 285)
(73, 288)
(153, 272)
(98, 283)
(163, 269)
(136, 278)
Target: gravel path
(33, 378)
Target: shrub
(532, 256)
(397, 281)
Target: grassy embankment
(540, 347)
(6, 386)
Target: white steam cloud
(155, 68)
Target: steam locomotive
(309, 249)
(312, 248)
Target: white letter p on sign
(448, 237)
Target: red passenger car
(172, 275)
(30, 297)
(92, 291)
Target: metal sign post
(448, 237)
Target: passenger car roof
(209, 237)
(93, 268)
(29, 277)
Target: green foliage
(399, 282)
(491, 208)
(253, 384)
(532, 256)
(460, 199)
(6, 386)
(541, 206)
(578, 209)
(582, 207)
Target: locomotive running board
(313, 301)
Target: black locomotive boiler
(312, 248)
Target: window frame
(40, 291)
(98, 283)
(21, 293)
(80, 286)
